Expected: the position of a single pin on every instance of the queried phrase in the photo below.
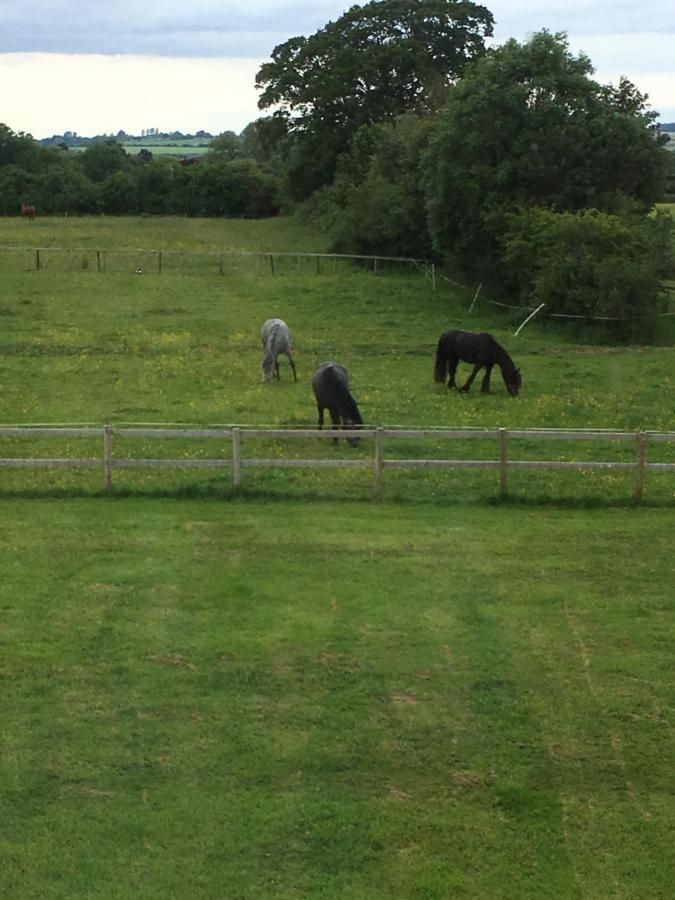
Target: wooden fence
(378, 462)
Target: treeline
(396, 129)
(104, 178)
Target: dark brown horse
(331, 389)
(483, 351)
(28, 212)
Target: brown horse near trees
(28, 212)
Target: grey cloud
(203, 28)
(227, 28)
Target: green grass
(159, 233)
(86, 347)
(333, 701)
(298, 692)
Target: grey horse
(276, 339)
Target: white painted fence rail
(378, 462)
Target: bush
(589, 263)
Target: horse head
(514, 384)
(352, 441)
(267, 366)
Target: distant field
(193, 147)
(297, 691)
(167, 149)
(156, 233)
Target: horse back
(469, 346)
(276, 335)
(329, 382)
(331, 389)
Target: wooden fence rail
(502, 437)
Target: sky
(101, 66)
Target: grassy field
(293, 700)
(297, 692)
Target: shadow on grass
(219, 495)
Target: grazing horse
(276, 339)
(331, 389)
(483, 351)
(28, 212)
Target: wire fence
(533, 310)
(240, 263)
(202, 262)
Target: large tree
(528, 126)
(372, 64)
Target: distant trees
(105, 178)
(374, 63)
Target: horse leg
(469, 381)
(452, 370)
(276, 368)
(335, 416)
(321, 409)
(295, 374)
(485, 386)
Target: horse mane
(504, 361)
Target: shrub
(589, 263)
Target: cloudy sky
(97, 67)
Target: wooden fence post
(272, 262)
(503, 451)
(222, 265)
(640, 465)
(378, 461)
(159, 262)
(98, 260)
(236, 457)
(107, 456)
(37, 260)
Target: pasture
(298, 692)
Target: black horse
(331, 389)
(483, 351)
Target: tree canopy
(375, 62)
(527, 126)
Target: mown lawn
(289, 699)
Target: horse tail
(441, 367)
